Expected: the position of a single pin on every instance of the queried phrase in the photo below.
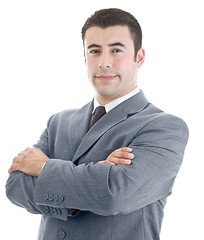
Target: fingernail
(128, 161)
(130, 155)
(129, 149)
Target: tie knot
(99, 112)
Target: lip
(106, 78)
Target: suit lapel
(78, 126)
(120, 113)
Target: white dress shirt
(117, 101)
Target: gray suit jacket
(116, 202)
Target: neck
(105, 100)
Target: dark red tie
(99, 112)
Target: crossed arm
(100, 187)
(31, 160)
(28, 165)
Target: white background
(42, 72)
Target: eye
(117, 50)
(94, 51)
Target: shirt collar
(117, 101)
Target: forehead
(106, 36)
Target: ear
(85, 57)
(140, 57)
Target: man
(103, 172)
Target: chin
(107, 92)
(108, 96)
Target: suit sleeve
(109, 190)
(20, 189)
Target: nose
(104, 61)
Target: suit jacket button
(46, 209)
(51, 197)
(52, 211)
(59, 212)
(55, 197)
(61, 235)
(45, 196)
(61, 198)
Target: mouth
(106, 78)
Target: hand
(120, 156)
(29, 161)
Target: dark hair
(111, 17)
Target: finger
(116, 161)
(101, 161)
(24, 151)
(21, 152)
(13, 168)
(123, 154)
(27, 149)
(17, 159)
(125, 149)
(106, 162)
(109, 162)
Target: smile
(106, 78)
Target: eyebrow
(116, 44)
(94, 46)
(110, 45)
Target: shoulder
(68, 114)
(162, 125)
(170, 121)
(173, 126)
(158, 117)
(62, 116)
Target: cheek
(119, 63)
(91, 66)
(123, 66)
(123, 63)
